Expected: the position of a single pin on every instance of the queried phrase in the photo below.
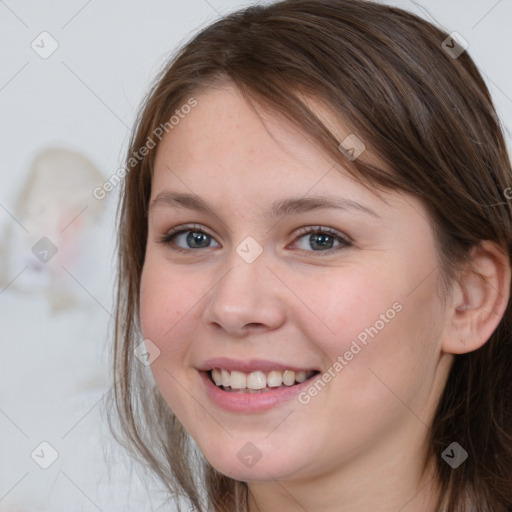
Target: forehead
(224, 138)
(223, 128)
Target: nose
(247, 298)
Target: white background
(54, 367)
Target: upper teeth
(258, 380)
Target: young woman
(314, 245)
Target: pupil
(195, 238)
(320, 240)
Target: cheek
(369, 326)
(345, 306)
(167, 319)
(388, 357)
(166, 308)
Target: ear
(479, 299)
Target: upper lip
(249, 365)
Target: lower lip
(251, 402)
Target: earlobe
(482, 295)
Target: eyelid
(187, 227)
(197, 228)
(322, 229)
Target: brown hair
(429, 118)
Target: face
(273, 283)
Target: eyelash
(344, 241)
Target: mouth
(258, 381)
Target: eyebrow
(284, 207)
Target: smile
(257, 381)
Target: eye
(322, 239)
(193, 237)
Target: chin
(249, 464)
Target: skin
(360, 443)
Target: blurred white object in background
(56, 451)
(54, 239)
